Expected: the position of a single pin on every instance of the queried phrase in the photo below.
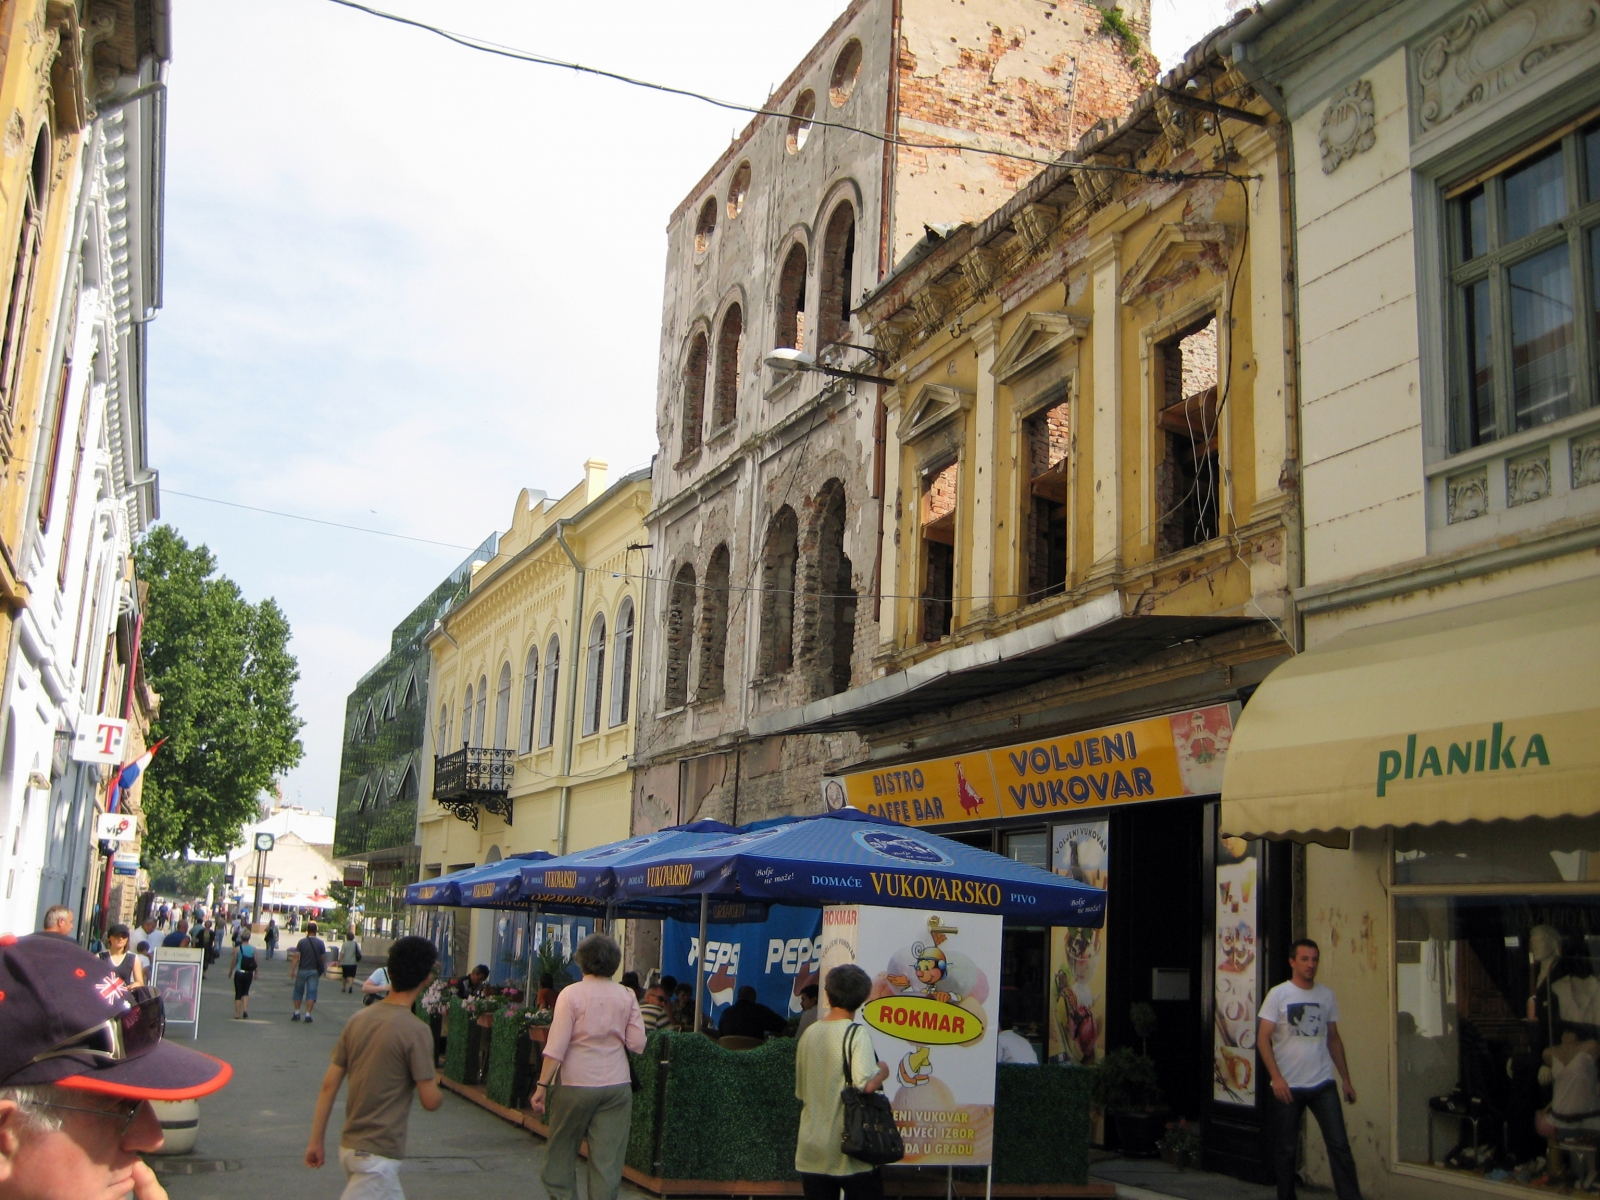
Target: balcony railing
(471, 778)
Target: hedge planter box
(509, 1078)
(709, 1114)
(462, 1045)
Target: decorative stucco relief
(1347, 126)
(1492, 48)
(1528, 477)
(1467, 495)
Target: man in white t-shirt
(1301, 1048)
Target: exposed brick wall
(778, 561)
(828, 605)
(730, 362)
(939, 493)
(713, 627)
(694, 395)
(680, 627)
(792, 300)
(1048, 438)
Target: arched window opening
(706, 225)
(694, 394)
(502, 709)
(481, 711)
(778, 558)
(530, 694)
(838, 269)
(730, 359)
(846, 70)
(713, 627)
(594, 667)
(547, 707)
(832, 602)
(792, 299)
(739, 190)
(466, 718)
(19, 301)
(680, 629)
(441, 731)
(800, 119)
(622, 663)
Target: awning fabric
(1482, 712)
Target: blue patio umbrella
(848, 857)
(588, 876)
(476, 887)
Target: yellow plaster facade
(571, 787)
(1032, 354)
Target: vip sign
(115, 827)
(933, 1015)
(99, 740)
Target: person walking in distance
(244, 974)
(584, 1083)
(819, 1076)
(1301, 1049)
(58, 920)
(307, 961)
(387, 1054)
(349, 957)
(270, 937)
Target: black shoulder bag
(870, 1134)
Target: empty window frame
(594, 667)
(680, 632)
(713, 627)
(1046, 438)
(705, 225)
(694, 394)
(622, 663)
(778, 559)
(1523, 244)
(791, 331)
(480, 711)
(547, 704)
(530, 696)
(1188, 491)
(838, 271)
(937, 515)
(834, 644)
(730, 357)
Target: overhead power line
(272, 512)
(544, 60)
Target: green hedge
(504, 1061)
(456, 1025)
(732, 1115)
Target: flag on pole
(129, 775)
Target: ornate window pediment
(1038, 337)
(1175, 254)
(934, 406)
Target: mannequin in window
(1570, 1069)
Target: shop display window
(1565, 850)
(1498, 1022)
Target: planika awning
(849, 857)
(1486, 711)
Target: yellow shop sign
(923, 1020)
(1159, 758)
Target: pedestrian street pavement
(253, 1133)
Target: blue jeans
(1325, 1104)
(305, 986)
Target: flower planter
(501, 1079)
(1138, 1132)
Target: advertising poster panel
(1080, 851)
(777, 957)
(933, 1011)
(1234, 1053)
(175, 975)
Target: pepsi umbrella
(848, 857)
(588, 876)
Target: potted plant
(1180, 1145)
(1126, 1089)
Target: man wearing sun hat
(81, 1054)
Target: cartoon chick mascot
(932, 968)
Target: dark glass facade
(385, 723)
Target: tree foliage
(226, 679)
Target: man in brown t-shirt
(387, 1053)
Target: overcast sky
(405, 280)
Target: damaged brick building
(908, 117)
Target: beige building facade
(532, 688)
(1432, 747)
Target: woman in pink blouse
(585, 1085)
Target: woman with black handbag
(832, 1046)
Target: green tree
(226, 679)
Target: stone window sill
(721, 432)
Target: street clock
(264, 842)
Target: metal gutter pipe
(572, 683)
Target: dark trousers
(868, 1185)
(1325, 1104)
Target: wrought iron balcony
(474, 777)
